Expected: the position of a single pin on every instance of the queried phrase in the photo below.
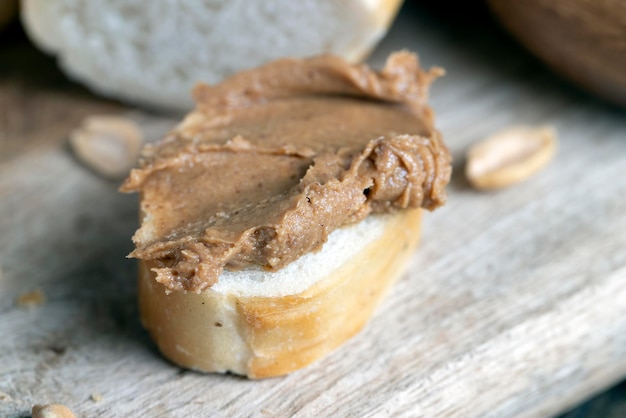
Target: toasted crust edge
(271, 336)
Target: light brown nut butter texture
(509, 156)
(274, 159)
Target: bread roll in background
(153, 52)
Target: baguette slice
(153, 52)
(276, 215)
(263, 324)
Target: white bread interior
(263, 324)
(153, 52)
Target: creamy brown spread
(274, 159)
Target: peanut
(109, 145)
(509, 156)
(52, 411)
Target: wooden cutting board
(514, 305)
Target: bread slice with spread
(277, 214)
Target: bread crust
(271, 336)
(383, 14)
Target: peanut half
(109, 145)
(52, 411)
(509, 156)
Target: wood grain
(513, 305)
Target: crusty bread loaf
(153, 52)
(263, 324)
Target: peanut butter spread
(274, 159)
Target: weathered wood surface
(514, 305)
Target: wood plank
(512, 306)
